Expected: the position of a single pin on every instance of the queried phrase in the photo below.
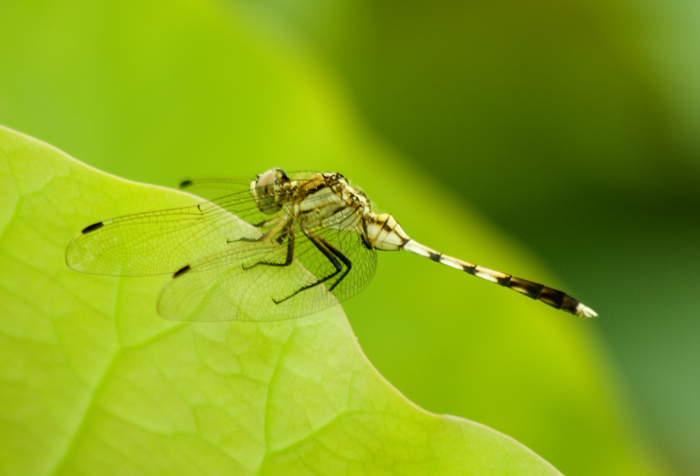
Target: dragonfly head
(265, 187)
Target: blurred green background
(573, 126)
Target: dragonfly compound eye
(264, 188)
(266, 179)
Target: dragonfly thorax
(325, 200)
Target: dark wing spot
(93, 227)
(181, 271)
(186, 183)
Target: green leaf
(94, 382)
(159, 91)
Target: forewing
(163, 241)
(214, 188)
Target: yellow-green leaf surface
(158, 91)
(94, 382)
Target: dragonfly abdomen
(547, 295)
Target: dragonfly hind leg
(334, 256)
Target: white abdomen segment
(385, 233)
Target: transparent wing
(248, 282)
(342, 233)
(163, 241)
(213, 188)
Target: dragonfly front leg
(278, 221)
(333, 255)
(290, 252)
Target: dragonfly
(277, 247)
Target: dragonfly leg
(333, 255)
(267, 223)
(250, 240)
(273, 221)
(343, 258)
(288, 260)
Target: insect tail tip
(585, 312)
